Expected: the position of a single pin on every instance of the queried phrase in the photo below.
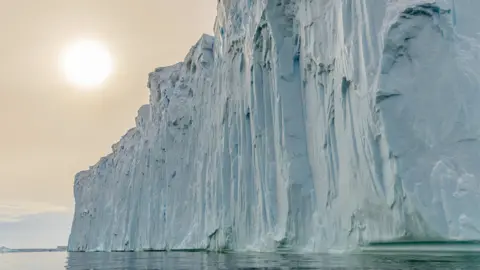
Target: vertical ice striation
(304, 125)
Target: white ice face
(309, 125)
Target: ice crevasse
(307, 125)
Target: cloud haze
(16, 211)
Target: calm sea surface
(179, 260)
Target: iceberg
(301, 125)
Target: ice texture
(308, 125)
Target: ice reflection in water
(201, 260)
(182, 260)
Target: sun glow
(87, 63)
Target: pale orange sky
(49, 130)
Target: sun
(87, 63)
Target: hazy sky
(50, 130)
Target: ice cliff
(309, 125)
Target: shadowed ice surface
(201, 260)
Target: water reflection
(185, 260)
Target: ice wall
(304, 125)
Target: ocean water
(198, 260)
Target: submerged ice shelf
(304, 125)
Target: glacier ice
(303, 125)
